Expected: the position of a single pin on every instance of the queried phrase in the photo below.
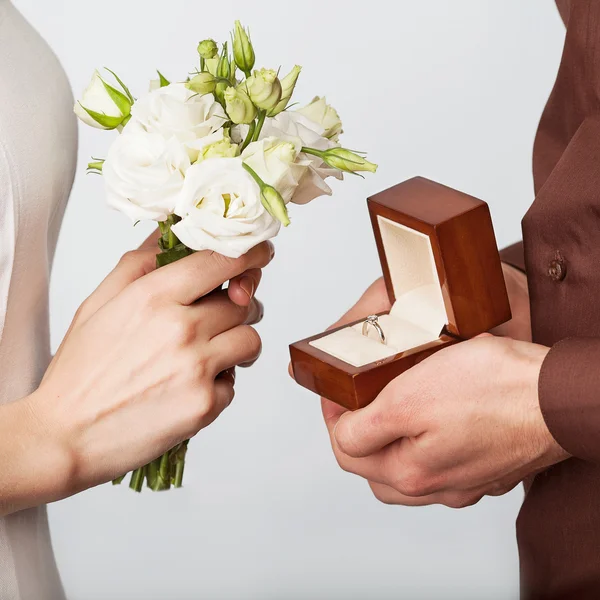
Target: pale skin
(464, 423)
(147, 363)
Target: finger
(235, 347)
(224, 393)
(370, 467)
(133, 265)
(389, 495)
(194, 276)
(216, 314)
(243, 287)
(374, 300)
(331, 414)
(388, 418)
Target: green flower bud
(203, 83)
(208, 49)
(345, 160)
(288, 83)
(224, 68)
(264, 89)
(274, 204)
(342, 159)
(243, 52)
(221, 149)
(271, 199)
(212, 64)
(220, 90)
(239, 107)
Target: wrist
(36, 466)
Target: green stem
(312, 151)
(137, 479)
(249, 136)
(262, 115)
(202, 64)
(119, 480)
(180, 465)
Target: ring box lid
(439, 258)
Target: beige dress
(38, 147)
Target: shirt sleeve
(569, 392)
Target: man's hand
(462, 424)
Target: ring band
(373, 321)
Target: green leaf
(120, 99)
(104, 120)
(125, 88)
(164, 82)
(166, 257)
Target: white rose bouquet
(215, 160)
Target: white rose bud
(238, 105)
(288, 84)
(273, 161)
(264, 89)
(221, 209)
(324, 115)
(102, 106)
(221, 149)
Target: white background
(449, 90)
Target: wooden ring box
(444, 280)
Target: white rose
(273, 161)
(144, 174)
(105, 113)
(175, 111)
(221, 209)
(324, 115)
(293, 127)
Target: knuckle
(230, 266)
(382, 494)
(181, 330)
(413, 481)
(202, 409)
(458, 501)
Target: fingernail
(261, 309)
(247, 284)
(271, 249)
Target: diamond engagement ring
(373, 321)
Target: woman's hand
(145, 365)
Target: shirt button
(557, 269)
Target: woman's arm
(34, 469)
(143, 367)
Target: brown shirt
(558, 529)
